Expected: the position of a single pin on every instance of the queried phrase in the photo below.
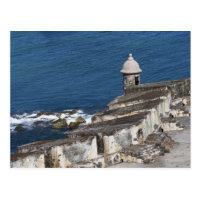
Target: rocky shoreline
(133, 128)
(67, 120)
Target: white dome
(130, 66)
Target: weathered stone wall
(123, 130)
(55, 153)
(67, 154)
(116, 134)
(27, 160)
(122, 109)
(137, 98)
(178, 88)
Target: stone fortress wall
(133, 128)
(178, 88)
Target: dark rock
(60, 123)
(51, 113)
(41, 127)
(73, 125)
(80, 120)
(19, 128)
(38, 122)
(41, 124)
(72, 112)
(41, 113)
(45, 113)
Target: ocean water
(59, 71)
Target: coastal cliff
(133, 128)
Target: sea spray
(28, 121)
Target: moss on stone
(60, 123)
(80, 120)
(73, 125)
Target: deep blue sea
(57, 71)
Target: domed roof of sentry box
(130, 66)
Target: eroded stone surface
(133, 99)
(140, 153)
(161, 140)
(57, 153)
(126, 111)
(179, 156)
(178, 88)
(126, 132)
(27, 160)
(98, 162)
(171, 124)
(65, 155)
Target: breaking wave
(28, 121)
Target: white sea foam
(27, 120)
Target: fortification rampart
(178, 88)
(133, 128)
